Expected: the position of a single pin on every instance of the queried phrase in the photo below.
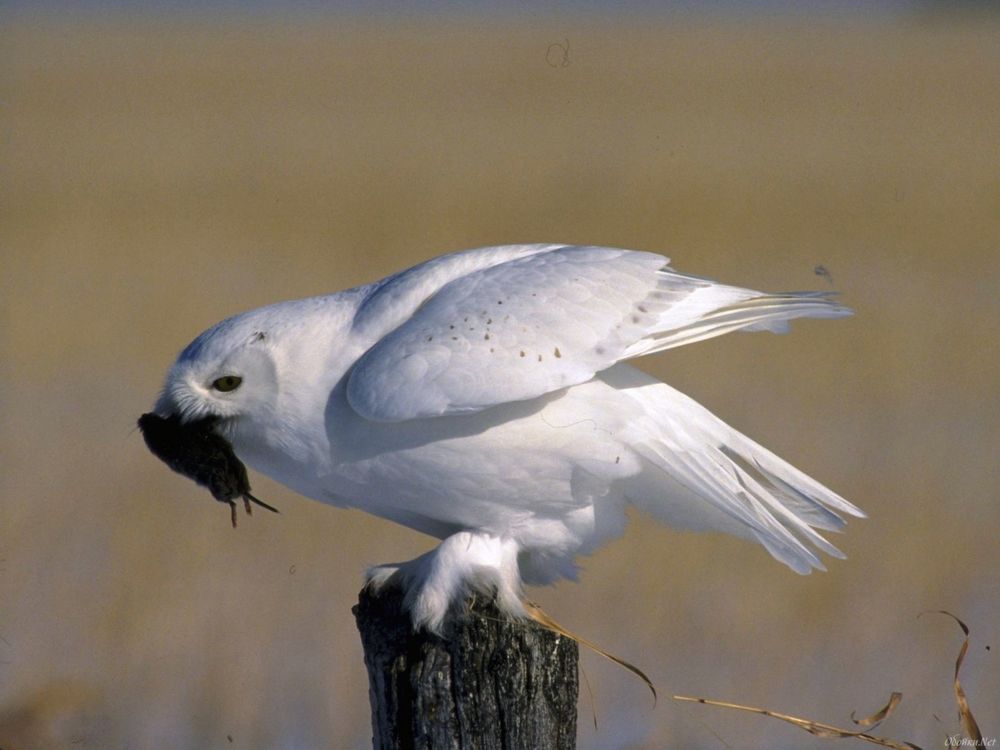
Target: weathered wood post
(489, 683)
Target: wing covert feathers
(463, 333)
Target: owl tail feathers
(699, 473)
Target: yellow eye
(227, 383)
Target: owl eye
(227, 383)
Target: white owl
(482, 398)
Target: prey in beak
(199, 453)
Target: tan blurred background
(159, 175)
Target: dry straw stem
(828, 730)
(535, 613)
(818, 728)
(968, 721)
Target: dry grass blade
(968, 721)
(815, 727)
(879, 715)
(590, 695)
(536, 614)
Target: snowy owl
(483, 398)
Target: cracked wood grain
(488, 682)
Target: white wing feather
(707, 475)
(485, 327)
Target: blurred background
(167, 165)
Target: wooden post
(488, 683)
